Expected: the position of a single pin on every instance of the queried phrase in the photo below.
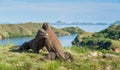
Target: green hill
(112, 32)
(105, 39)
(30, 29)
(18, 30)
(73, 30)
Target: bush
(93, 42)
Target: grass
(84, 59)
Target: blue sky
(17, 11)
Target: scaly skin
(52, 43)
(37, 43)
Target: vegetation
(112, 32)
(91, 51)
(18, 30)
(60, 32)
(106, 39)
(97, 43)
(84, 59)
(73, 30)
(30, 29)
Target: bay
(65, 40)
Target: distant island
(77, 23)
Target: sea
(65, 40)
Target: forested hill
(108, 38)
(30, 29)
(112, 32)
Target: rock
(109, 56)
(108, 68)
(93, 54)
(0, 37)
(117, 50)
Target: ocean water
(88, 28)
(65, 40)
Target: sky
(96, 11)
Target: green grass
(19, 30)
(83, 60)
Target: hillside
(112, 32)
(30, 29)
(18, 30)
(108, 39)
